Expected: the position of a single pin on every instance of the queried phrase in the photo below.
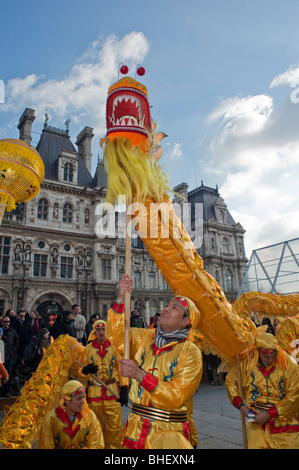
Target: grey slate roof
(208, 197)
(51, 143)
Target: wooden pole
(127, 294)
(244, 430)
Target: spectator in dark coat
(66, 326)
(94, 317)
(24, 331)
(11, 346)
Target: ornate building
(51, 256)
(222, 242)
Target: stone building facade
(51, 256)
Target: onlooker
(12, 315)
(3, 372)
(24, 331)
(136, 321)
(66, 326)
(54, 330)
(79, 323)
(42, 343)
(88, 328)
(11, 345)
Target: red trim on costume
(118, 308)
(267, 351)
(273, 413)
(287, 428)
(64, 418)
(237, 401)
(266, 373)
(149, 382)
(132, 444)
(187, 430)
(101, 348)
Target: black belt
(160, 415)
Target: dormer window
(68, 167)
(68, 172)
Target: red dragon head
(128, 112)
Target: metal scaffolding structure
(273, 269)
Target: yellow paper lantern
(21, 173)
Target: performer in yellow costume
(103, 358)
(287, 334)
(270, 389)
(72, 425)
(165, 368)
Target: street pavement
(217, 422)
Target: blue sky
(222, 78)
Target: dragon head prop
(128, 112)
(132, 148)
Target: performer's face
(100, 334)
(74, 405)
(268, 359)
(173, 317)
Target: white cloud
(290, 77)
(84, 90)
(173, 151)
(255, 155)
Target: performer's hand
(245, 410)
(261, 418)
(123, 399)
(130, 369)
(125, 284)
(90, 369)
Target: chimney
(84, 145)
(25, 125)
(182, 190)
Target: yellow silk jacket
(172, 375)
(106, 357)
(274, 388)
(57, 431)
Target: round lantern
(21, 173)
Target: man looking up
(165, 368)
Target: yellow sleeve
(96, 438)
(289, 405)
(46, 440)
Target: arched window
(67, 215)
(228, 275)
(42, 209)
(68, 172)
